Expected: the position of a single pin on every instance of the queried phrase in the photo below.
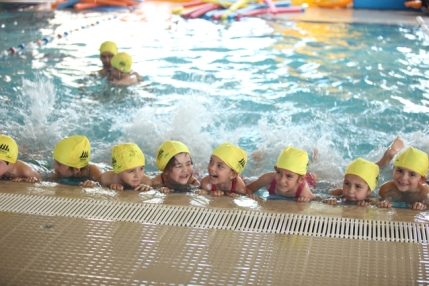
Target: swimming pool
(346, 89)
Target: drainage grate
(239, 220)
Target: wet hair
(173, 162)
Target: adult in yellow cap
(226, 164)
(12, 168)
(409, 181)
(71, 160)
(174, 160)
(107, 50)
(360, 179)
(290, 177)
(121, 73)
(128, 169)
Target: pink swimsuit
(234, 185)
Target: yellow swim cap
(8, 149)
(73, 151)
(122, 61)
(233, 156)
(294, 160)
(367, 170)
(108, 46)
(414, 160)
(168, 150)
(126, 156)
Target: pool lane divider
(38, 43)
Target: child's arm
(94, 175)
(259, 183)
(306, 194)
(145, 184)
(25, 173)
(335, 196)
(393, 149)
(384, 189)
(108, 179)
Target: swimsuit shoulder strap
(300, 188)
(272, 189)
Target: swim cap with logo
(233, 156)
(8, 149)
(73, 151)
(294, 160)
(122, 61)
(108, 46)
(168, 150)
(126, 156)
(367, 170)
(414, 160)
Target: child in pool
(226, 164)
(409, 181)
(128, 169)
(174, 160)
(360, 178)
(290, 178)
(121, 73)
(71, 160)
(10, 167)
(107, 50)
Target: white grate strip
(239, 220)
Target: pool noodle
(209, 15)
(203, 9)
(271, 6)
(258, 6)
(67, 4)
(83, 6)
(186, 12)
(108, 8)
(237, 5)
(266, 11)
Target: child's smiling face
(182, 169)
(355, 188)
(132, 176)
(406, 179)
(219, 172)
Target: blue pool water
(347, 90)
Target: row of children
(117, 66)
(289, 179)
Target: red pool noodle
(203, 9)
(271, 6)
(266, 11)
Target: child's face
(355, 188)
(3, 167)
(133, 176)
(63, 170)
(182, 169)
(406, 179)
(286, 180)
(219, 172)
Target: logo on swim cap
(232, 155)
(8, 149)
(168, 150)
(73, 151)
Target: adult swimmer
(107, 50)
(121, 73)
